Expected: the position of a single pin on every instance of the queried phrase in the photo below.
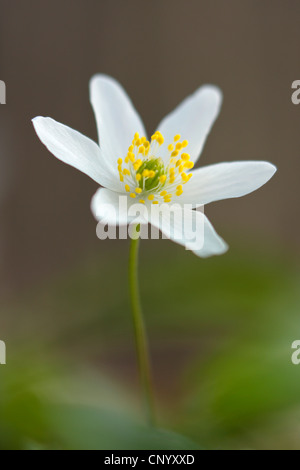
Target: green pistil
(151, 164)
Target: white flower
(157, 170)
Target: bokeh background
(220, 329)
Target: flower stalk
(140, 333)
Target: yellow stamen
(127, 187)
(184, 177)
(138, 190)
(177, 137)
(132, 195)
(151, 197)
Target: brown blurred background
(160, 51)
(221, 337)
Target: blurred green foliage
(220, 332)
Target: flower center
(145, 174)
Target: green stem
(140, 333)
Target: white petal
(117, 119)
(75, 149)
(225, 180)
(213, 243)
(116, 208)
(193, 119)
(191, 229)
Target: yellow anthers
(185, 177)
(160, 139)
(131, 156)
(149, 176)
(137, 164)
(179, 190)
